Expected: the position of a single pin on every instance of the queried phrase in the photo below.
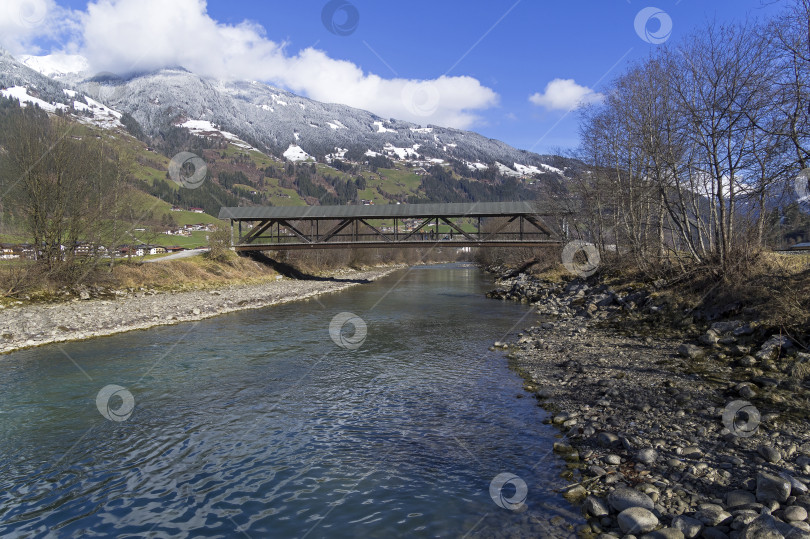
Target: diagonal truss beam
(337, 228)
(256, 232)
(539, 224)
(288, 226)
(457, 229)
(375, 229)
(495, 232)
(417, 229)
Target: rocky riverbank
(694, 429)
(25, 326)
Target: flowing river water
(257, 424)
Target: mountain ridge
(274, 119)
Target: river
(261, 424)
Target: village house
(89, 249)
(143, 250)
(7, 252)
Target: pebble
(769, 453)
(664, 414)
(690, 527)
(138, 310)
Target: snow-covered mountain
(29, 87)
(256, 114)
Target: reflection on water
(258, 422)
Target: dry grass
(191, 273)
(772, 288)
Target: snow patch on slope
(204, 128)
(524, 169)
(401, 153)
(506, 171)
(56, 65)
(20, 93)
(296, 153)
(549, 168)
(382, 129)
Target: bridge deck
(341, 227)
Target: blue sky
(492, 54)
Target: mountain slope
(260, 143)
(274, 119)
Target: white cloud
(125, 36)
(565, 94)
(23, 22)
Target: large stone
(690, 351)
(709, 338)
(795, 512)
(623, 498)
(595, 507)
(737, 498)
(771, 348)
(763, 527)
(608, 439)
(712, 514)
(769, 453)
(689, 526)
(647, 456)
(692, 452)
(747, 329)
(771, 487)
(797, 488)
(726, 326)
(575, 494)
(637, 520)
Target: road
(181, 254)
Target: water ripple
(257, 423)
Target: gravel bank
(667, 437)
(34, 325)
